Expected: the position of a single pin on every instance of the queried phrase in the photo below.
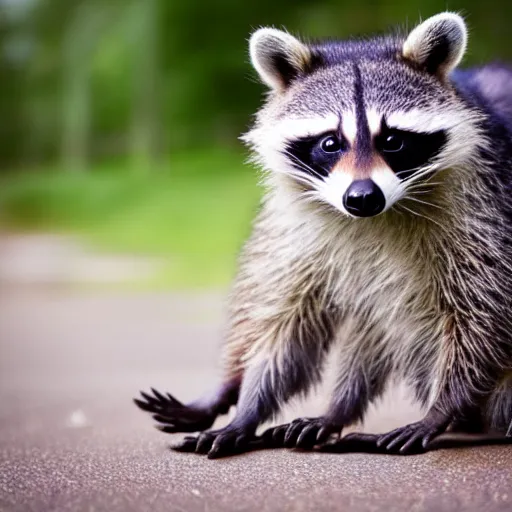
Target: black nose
(364, 199)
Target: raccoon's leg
(363, 374)
(468, 382)
(267, 385)
(465, 432)
(195, 416)
(353, 394)
(286, 368)
(469, 431)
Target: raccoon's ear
(438, 44)
(278, 57)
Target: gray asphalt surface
(71, 440)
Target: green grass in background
(193, 213)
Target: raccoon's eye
(330, 144)
(392, 143)
(315, 155)
(405, 151)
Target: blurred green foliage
(192, 220)
(157, 87)
(85, 80)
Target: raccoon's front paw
(173, 415)
(414, 438)
(304, 433)
(218, 443)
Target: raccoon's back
(491, 87)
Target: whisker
(302, 178)
(418, 191)
(424, 184)
(423, 202)
(303, 165)
(421, 215)
(395, 209)
(418, 175)
(424, 168)
(413, 170)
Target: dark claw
(413, 445)
(293, 432)
(307, 438)
(324, 433)
(151, 400)
(426, 440)
(273, 437)
(143, 405)
(414, 438)
(166, 429)
(384, 439)
(278, 434)
(184, 421)
(224, 442)
(173, 414)
(161, 419)
(401, 436)
(158, 403)
(205, 442)
(309, 432)
(162, 398)
(188, 444)
(173, 400)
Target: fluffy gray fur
(419, 293)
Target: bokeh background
(120, 162)
(124, 200)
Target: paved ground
(71, 440)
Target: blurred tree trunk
(76, 122)
(75, 92)
(89, 19)
(146, 128)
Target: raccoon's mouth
(364, 198)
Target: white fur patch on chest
(383, 281)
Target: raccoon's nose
(364, 199)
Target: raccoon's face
(362, 125)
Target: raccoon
(385, 230)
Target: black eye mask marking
(317, 155)
(405, 151)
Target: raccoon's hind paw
(304, 433)
(173, 415)
(414, 438)
(220, 443)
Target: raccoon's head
(360, 125)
